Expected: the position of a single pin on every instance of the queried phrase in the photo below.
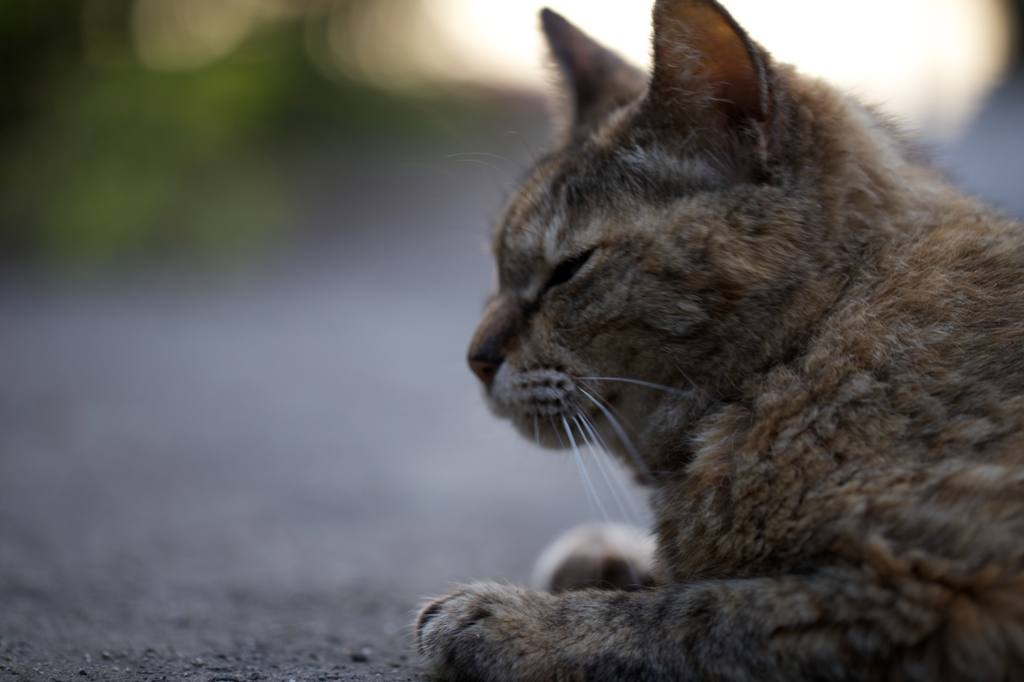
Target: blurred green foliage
(103, 160)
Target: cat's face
(600, 278)
(636, 276)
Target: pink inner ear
(697, 39)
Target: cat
(820, 376)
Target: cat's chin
(548, 431)
(559, 431)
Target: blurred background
(242, 250)
(156, 128)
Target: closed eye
(567, 268)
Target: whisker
(493, 156)
(615, 493)
(598, 438)
(526, 143)
(607, 403)
(625, 486)
(584, 473)
(695, 386)
(621, 433)
(491, 165)
(554, 427)
(649, 384)
(621, 483)
(607, 479)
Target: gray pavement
(262, 474)
(257, 476)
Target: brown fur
(838, 468)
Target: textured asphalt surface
(258, 476)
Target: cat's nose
(485, 356)
(484, 368)
(487, 351)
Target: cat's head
(676, 237)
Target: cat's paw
(482, 631)
(615, 557)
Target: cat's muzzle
(542, 393)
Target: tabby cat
(823, 380)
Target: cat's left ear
(598, 80)
(709, 76)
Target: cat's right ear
(597, 79)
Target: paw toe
(431, 610)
